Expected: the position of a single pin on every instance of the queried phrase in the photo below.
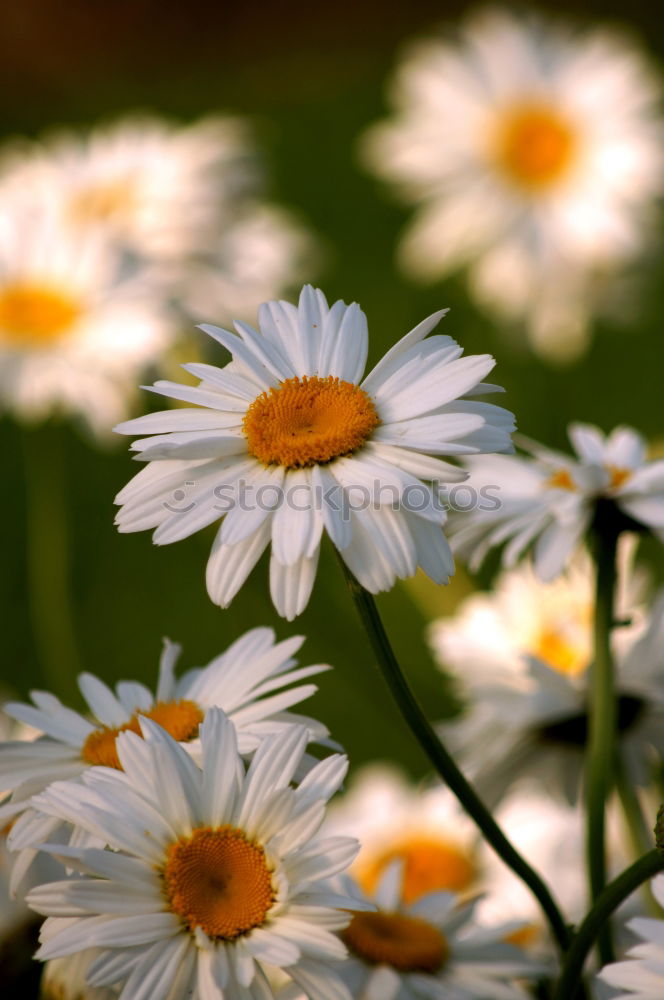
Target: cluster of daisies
(109, 239)
(177, 840)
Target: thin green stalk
(47, 557)
(601, 750)
(444, 764)
(607, 902)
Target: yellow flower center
(179, 718)
(308, 421)
(562, 650)
(618, 476)
(523, 937)
(35, 315)
(103, 202)
(429, 865)
(561, 480)
(535, 146)
(406, 943)
(219, 881)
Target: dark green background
(310, 77)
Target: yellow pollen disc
(561, 480)
(103, 203)
(406, 943)
(35, 315)
(618, 476)
(219, 881)
(535, 146)
(561, 652)
(309, 421)
(428, 866)
(179, 718)
(524, 936)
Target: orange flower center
(179, 718)
(535, 146)
(567, 649)
(35, 315)
(219, 881)
(523, 937)
(429, 865)
(561, 480)
(308, 421)
(618, 476)
(406, 943)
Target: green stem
(47, 557)
(601, 749)
(608, 901)
(443, 763)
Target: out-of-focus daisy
(550, 498)
(535, 156)
(65, 979)
(75, 332)
(429, 949)
(641, 975)
(286, 441)
(424, 829)
(527, 708)
(158, 188)
(248, 681)
(212, 872)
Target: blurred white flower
(535, 155)
(75, 329)
(429, 949)
(289, 440)
(551, 498)
(527, 703)
(641, 975)
(423, 828)
(66, 979)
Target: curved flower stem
(608, 901)
(443, 763)
(47, 557)
(601, 750)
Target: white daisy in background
(424, 829)
(286, 441)
(549, 498)
(75, 331)
(535, 156)
(429, 950)
(524, 672)
(158, 188)
(641, 975)
(212, 872)
(248, 681)
(65, 979)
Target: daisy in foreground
(429, 950)
(502, 138)
(212, 872)
(641, 975)
(249, 681)
(550, 498)
(527, 704)
(287, 441)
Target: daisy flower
(641, 975)
(248, 681)
(429, 950)
(65, 979)
(288, 440)
(422, 828)
(527, 707)
(75, 331)
(212, 872)
(551, 498)
(502, 137)
(160, 189)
